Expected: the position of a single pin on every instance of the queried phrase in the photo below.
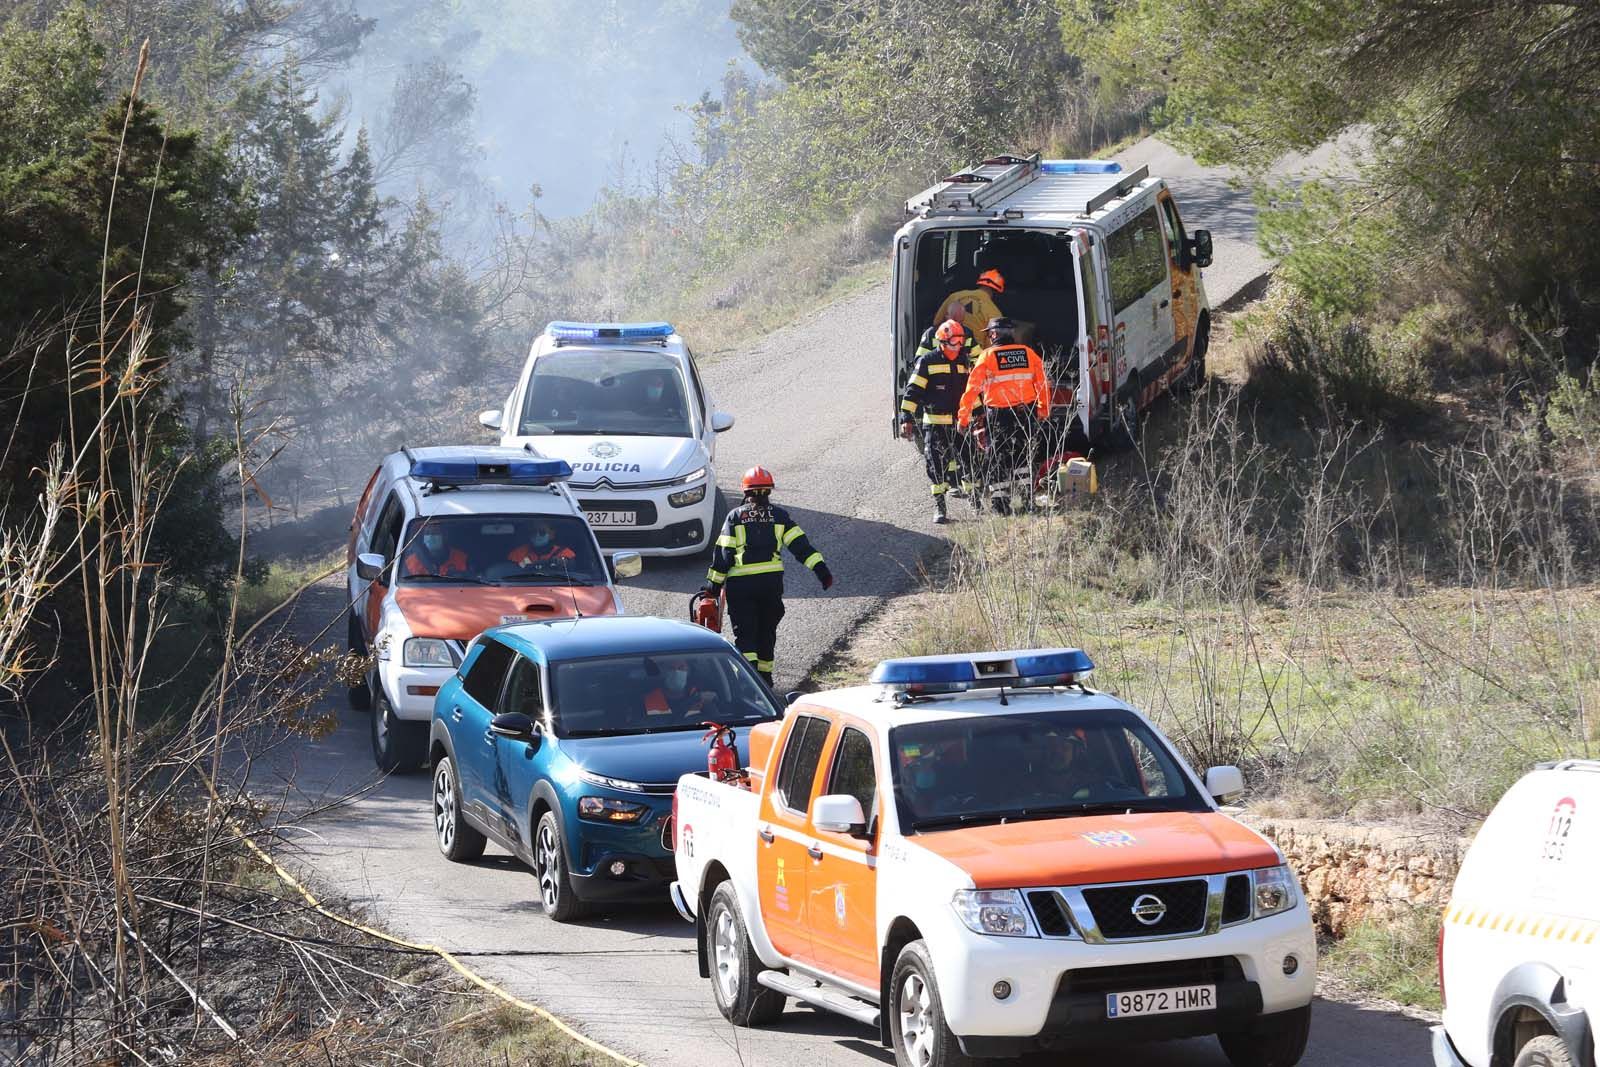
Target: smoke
(480, 102)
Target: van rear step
(821, 996)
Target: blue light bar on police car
(1080, 166)
(483, 470)
(609, 331)
(983, 670)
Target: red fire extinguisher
(722, 759)
(706, 610)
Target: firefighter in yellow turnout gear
(931, 397)
(748, 561)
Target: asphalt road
(817, 415)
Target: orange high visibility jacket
(453, 564)
(1006, 376)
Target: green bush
(1396, 960)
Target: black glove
(824, 575)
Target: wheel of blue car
(561, 904)
(916, 1014)
(457, 839)
(397, 745)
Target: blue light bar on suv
(483, 470)
(1080, 166)
(609, 331)
(983, 670)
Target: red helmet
(950, 334)
(757, 478)
(992, 279)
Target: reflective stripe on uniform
(726, 541)
(716, 577)
(751, 656)
(937, 368)
(795, 532)
(740, 569)
(908, 405)
(940, 489)
(738, 545)
(812, 560)
(918, 380)
(764, 665)
(1013, 376)
(930, 419)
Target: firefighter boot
(940, 516)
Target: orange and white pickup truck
(982, 857)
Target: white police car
(623, 404)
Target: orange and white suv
(445, 543)
(981, 857)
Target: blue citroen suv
(563, 741)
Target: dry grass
(1273, 603)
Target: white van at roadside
(1519, 950)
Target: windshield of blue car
(499, 550)
(613, 394)
(653, 692)
(977, 769)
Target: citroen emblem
(1149, 909)
(604, 450)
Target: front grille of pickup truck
(1170, 908)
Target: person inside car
(541, 547)
(676, 695)
(427, 555)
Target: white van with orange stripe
(1095, 266)
(1519, 950)
(981, 857)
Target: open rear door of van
(1094, 369)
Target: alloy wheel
(548, 860)
(916, 1024)
(444, 806)
(725, 950)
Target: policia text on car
(748, 560)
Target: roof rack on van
(977, 188)
(1010, 187)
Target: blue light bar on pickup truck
(983, 670)
(609, 331)
(1080, 166)
(483, 470)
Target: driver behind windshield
(676, 695)
(658, 392)
(428, 555)
(542, 546)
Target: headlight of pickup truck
(428, 652)
(1274, 890)
(606, 809)
(993, 911)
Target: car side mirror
(791, 696)
(626, 565)
(1224, 781)
(515, 726)
(489, 420)
(721, 422)
(1198, 248)
(839, 813)
(369, 567)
